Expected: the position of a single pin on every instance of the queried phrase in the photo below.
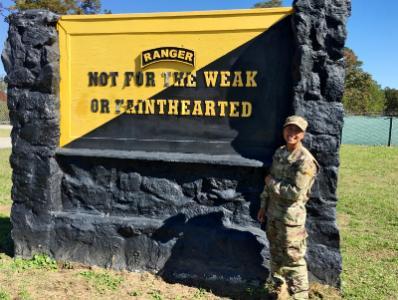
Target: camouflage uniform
(284, 199)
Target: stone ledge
(105, 218)
(196, 158)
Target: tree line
(363, 95)
(62, 7)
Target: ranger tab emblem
(182, 55)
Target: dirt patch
(75, 281)
(319, 291)
(74, 284)
(343, 220)
(5, 210)
(381, 254)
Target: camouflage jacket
(293, 175)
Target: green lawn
(368, 214)
(5, 132)
(5, 177)
(367, 217)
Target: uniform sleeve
(303, 180)
(264, 196)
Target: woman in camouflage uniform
(283, 202)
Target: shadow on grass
(6, 243)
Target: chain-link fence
(370, 130)
(4, 117)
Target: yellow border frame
(147, 23)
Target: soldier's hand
(261, 215)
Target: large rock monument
(157, 164)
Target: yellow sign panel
(136, 56)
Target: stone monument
(169, 182)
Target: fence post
(390, 133)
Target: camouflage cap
(300, 122)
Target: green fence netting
(370, 130)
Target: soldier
(283, 202)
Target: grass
(4, 295)
(5, 177)
(38, 261)
(367, 217)
(102, 281)
(5, 133)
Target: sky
(372, 28)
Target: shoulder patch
(307, 154)
(308, 168)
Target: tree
(90, 7)
(391, 107)
(62, 7)
(267, 4)
(58, 6)
(362, 95)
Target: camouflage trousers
(289, 275)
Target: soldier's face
(292, 135)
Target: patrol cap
(300, 122)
